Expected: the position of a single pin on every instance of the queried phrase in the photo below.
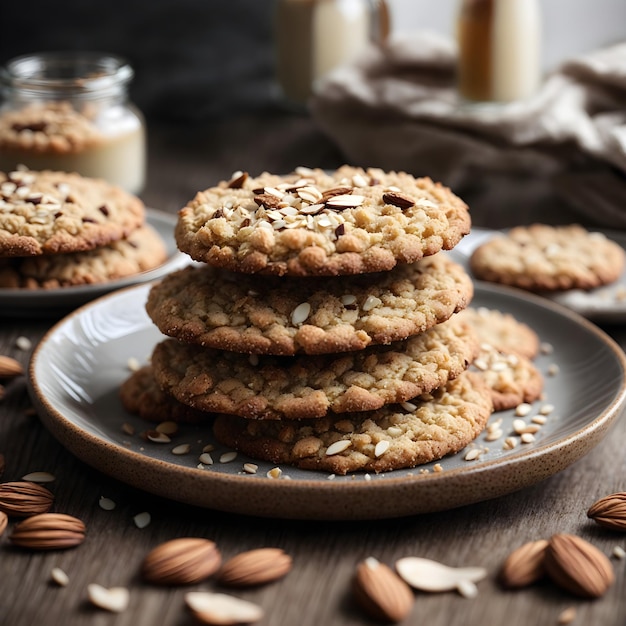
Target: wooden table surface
(317, 590)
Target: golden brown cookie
(285, 316)
(550, 258)
(317, 223)
(141, 251)
(56, 212)
(502, 331)
(141, 396)
(394, 437)
(306, 386)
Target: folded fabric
(397, 107)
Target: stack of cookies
(319, 324)
(60, 229)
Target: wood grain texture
(317, 590)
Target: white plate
(604, 304)
(55, 302)
(77, 369)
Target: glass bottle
(70, 112)
(499, 44)
(315, 36)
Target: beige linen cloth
(397, 108)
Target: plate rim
(65, 429)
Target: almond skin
(181, 561)
(9, 367)
(381, 592)
(610, 511)
(255, 567)
(524, 566)
(4, 521)
(22, 499)
(48, 531)
(577, 566)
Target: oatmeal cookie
(269, 387)
(549, 258)
(141, 251)
(512, 378)
(502, 331)
(140, 395)
(314, 223)
(393, 437)
(55, 212)
(285, 316)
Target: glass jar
(315, 36)
(499, 49)
(70, 112)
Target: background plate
(76, 371)
(604, 304)
(56, 302)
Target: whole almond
(381, 592)
(4, 520)
(577, 566)
(48, 531)
(255, 567)
(181, 561)
(610, 511)
(9, 367)
(524, 565)
(23, 498)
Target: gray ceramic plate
(604, 304)
(56, 302)
(77, 369)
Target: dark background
(193, 59)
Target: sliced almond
(428, 575)
(381, 592)
(181, 561)
(114, 599)
(398, 199)
(345, 201)
(220, 609)
(39, 477)
(255, 567)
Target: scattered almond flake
(106, 503)
(546, 348)
(300, 313)
(371, 302)
(206, 459)
(58, 576)
(381, 447)
(221, 608)
(345, 201)
(250, 468)
(167, 428)
(157, 437)
(553, 369)
(367, 477)
(427, 575)
(437, 468)
(409, 407)
(324, 221)
(348, 299)
(494, 435)
(39, 477)
(539, 419)
(338, 446)
(133, 364)
(467, 588)
(331, 476)
(208, 448)
(275, 472)
(509, 443)
(567, 616)
(142, 519)
(23, 343)
(114, 599)
(619, 552)
(181, 449)
(546, 409)
(227, 457)
(523, 409)
(527, 438)
(127, 428)
(472, 455)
